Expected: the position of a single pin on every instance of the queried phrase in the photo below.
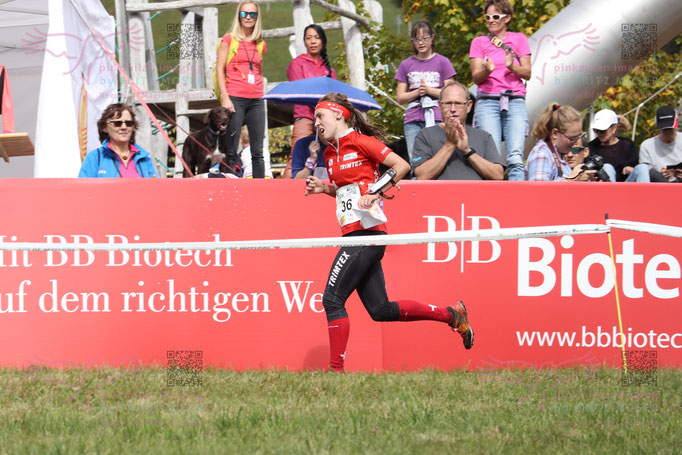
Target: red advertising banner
(540, 302)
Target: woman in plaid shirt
(556, 130)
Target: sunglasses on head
(244, 14)
(494, 17)
(118, 123)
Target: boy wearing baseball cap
(663, 153)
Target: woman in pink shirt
(241, 83)
(500, 62)
(314, 63)
(119, 155)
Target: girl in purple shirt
(420, 79)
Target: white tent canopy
(46, 74)
(23, 28)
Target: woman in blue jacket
(118, 156)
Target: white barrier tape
(394, 239)
(660, 229)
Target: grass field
(513, 411)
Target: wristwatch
(469, 153)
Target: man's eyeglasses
(451, 104)
(118, 123)
(572, 138)
(576, 150)
(494, 17)
(424, 39)
(244, 14)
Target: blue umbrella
(309, 91)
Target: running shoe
(460, 324)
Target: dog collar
(217, 133)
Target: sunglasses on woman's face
(118, 123)
(494, 17)
(244, 14)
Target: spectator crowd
(439, 144)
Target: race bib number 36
(347, 198)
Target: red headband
(334, 107)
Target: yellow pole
(615, 287)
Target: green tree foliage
(644, 81)
(381, 63)
(280, 144)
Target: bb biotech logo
(544, 268)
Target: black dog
(214, 138)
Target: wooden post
(181, 106)
(266, 138)
(187, 71)
(342, 11)
(283, 32)
(150, 54)
(136, 38)
(186, 81)
(211, 36)
(375, 10)
(122, 40)
(167, 5)
(376, 13)
(302, 18)
(140, 74)
(353, 40)
(143, 71)
(158, 148)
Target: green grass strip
(512, 411)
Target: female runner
(352, 157)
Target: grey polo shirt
(431, 139)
